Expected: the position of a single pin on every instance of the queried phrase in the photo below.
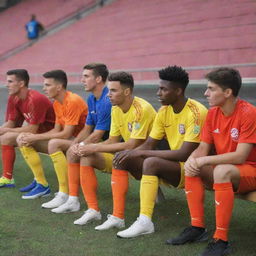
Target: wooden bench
(251, 196)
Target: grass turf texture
(27, 229)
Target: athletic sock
(34, 162)
(60, 165)
(148, 192)
(120, 184)
(73, 178)
(8, 158)
(224, 202)
(89, 185)
(195, 197)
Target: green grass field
(28, 230)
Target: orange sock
(195, 197)
(224, 202)
(8, 158)
(120, 183)
(89, 185)
(73, 178)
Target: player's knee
(54, 145)
(151, 166)
(71, 157)
(222, 173)
(8, 139)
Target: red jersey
(35, 109)
(72, 111)
(225, 132)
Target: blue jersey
(32, 29)
(99, 114)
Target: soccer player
(131, 120)
(179, 120)
(96, 128)
(23, 104)
(230, 127)
(71, 111)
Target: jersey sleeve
(206, 134)
(248, 127)
(104, 118)
(158, 131)
(194, 124)
(12, 112)
(142, 127)
(114, 128)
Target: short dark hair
(99, 69)
(226, 78)
(124, 78)
(21, 75)
(176, 75)
(59, 75)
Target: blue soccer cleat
(38, 191)
(29, 187)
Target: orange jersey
(225, 132)
(72, 111)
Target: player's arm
(9, 126)
(180, 155)
(109, 147)
(237, 157)
(83, 134)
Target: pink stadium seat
(129, 34)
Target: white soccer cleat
(111, 222)
(88, 216)
(59, 199)
(138, 228)
(71, 205)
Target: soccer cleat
(88, 216)
(138, 228)
(111, 222)
(6, 183)
(71, 205)
(59, 199)
(29, 187)
(189, 235)
(38, 191)
(217, 247)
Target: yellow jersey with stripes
(179, 127)
(136, 123)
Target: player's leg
(226, 181)
(39, 187)
(154, 169)
(195, 190)
(56, 147)
(119, 184)
(72, 203)
(8, 143)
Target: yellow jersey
(179, 127)
(136, 123)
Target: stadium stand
(130, 34)
(47, 11)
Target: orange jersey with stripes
(136, 123)
(179, 127)
(72, 111)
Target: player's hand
(26, 139)
(74, 148)
(3, 130)
(120, 157)
(191, 167)
(88, 149)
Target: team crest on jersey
(181, 128)
(130, 127)
(196, 129)
(136, 126)
(234, 133)
(28, 116)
